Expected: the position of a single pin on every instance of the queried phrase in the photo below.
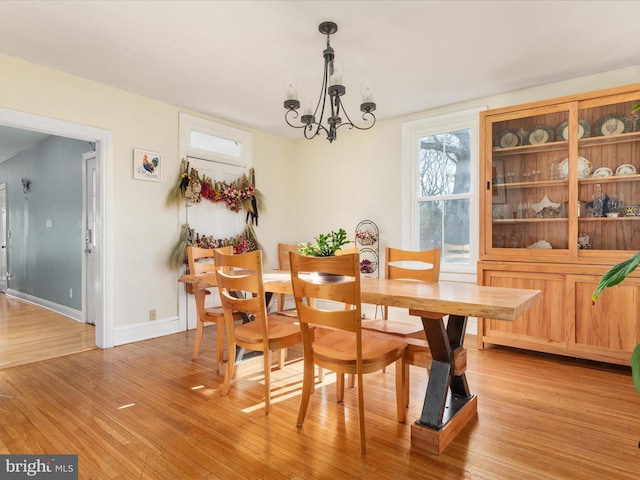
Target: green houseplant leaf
(327, 244)
(616, 274)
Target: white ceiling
(234, 59)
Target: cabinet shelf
(543, 147)
(609, 139)
(607, 219)
(511, 221)
(535, 184)
(613, 179)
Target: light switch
(49, 223)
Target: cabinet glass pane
(529, 193)
(612, 150)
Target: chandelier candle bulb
(292, 93)
(367, 96)
(308, 109)
(336, 77)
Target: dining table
(444, 308)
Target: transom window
(212, 141)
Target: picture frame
(498, 193)
(147, 165)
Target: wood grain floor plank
(29, 333)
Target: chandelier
(331, 92)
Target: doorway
(102, 198)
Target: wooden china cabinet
(542, 164)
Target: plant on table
(327, 244)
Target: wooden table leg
(448, 404)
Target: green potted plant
(614, 276)
(327, 244)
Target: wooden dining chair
(200, 260)
(321, 282)
(283, 262)
(421, 266)
(266, 332)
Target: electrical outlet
(71, 293)
(152, 314)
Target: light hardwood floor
(29, 333)
(147, 411)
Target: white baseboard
(40, 302)
(146, 330)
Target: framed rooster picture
(147, 165)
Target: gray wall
(45, 262)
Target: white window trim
(189, 123)
(411, 134)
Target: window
(208, 140)
(440, 160)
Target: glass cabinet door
(610, 146)
(527, 180)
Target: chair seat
(339, 347)
(282, 330)
(219, 312)
(293, 313)
(404, 328)
(214, 311)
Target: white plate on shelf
(613, 124)
(584, 168)
(507, 139)
(584, 130)
(626, 169)
(602, 172)
(539, 134)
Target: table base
(435, 440)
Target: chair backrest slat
(425, 264)
(242, 273)
(200, 260)
(283, 255)
(327, 279)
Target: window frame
(412, 132)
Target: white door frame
(4, 241)
(104, 148)
(91, 275)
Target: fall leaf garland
(247, 241)
(236, 195)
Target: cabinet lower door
(608, 329)
(543, 328)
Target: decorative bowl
(612, 214)
(632, 211)
(602, 172)
(626, 169)
(584, 168)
